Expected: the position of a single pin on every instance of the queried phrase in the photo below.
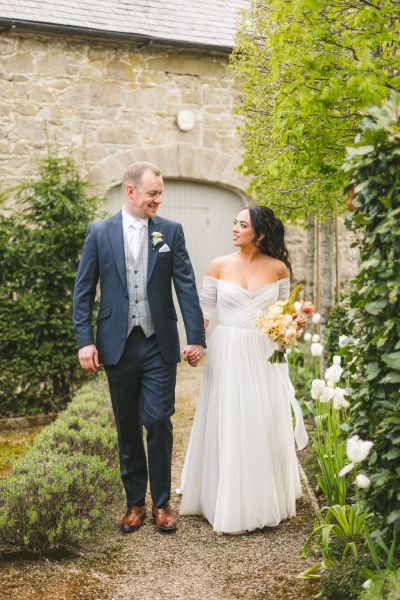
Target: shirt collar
(128, 220)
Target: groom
(136, 256)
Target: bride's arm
(208, 295)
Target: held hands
(89, 358)
(192, 353)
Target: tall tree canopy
(309, 69)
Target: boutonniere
(156, 238)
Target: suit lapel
(116, 237)
(154, 225)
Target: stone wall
(111, 103)
(99, 98)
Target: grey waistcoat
(136, 279)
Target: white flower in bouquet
(333, 373)
(337, 360)
(297, 305)
(307, 336)
(316, 318)
(315, 337)
(339, 400)
(317, 388)
(343, 340)
(357, 450)
(316, 349)
(363, 481)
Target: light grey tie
(136, 230)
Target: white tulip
(339, 400)
(327, 395)
(343, 340)
(367, 584)
(337, 360)
(297, 305)
(315, 337)
(346, 469)
(317, 388)
(363, 481)
(316, 349)
(316, 318)
(333, 373)
(357, 450)
(307, 336)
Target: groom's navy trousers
(142, 388)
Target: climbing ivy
(373, 164)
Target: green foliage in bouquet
(374, 308)
(57, 494)
(40, 243)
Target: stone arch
(175, 161)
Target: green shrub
(343, 581)
(53, 501)
(386, 586)
(72, 434)
(374, 309)
(57, 494)
(40, 243)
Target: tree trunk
(326, 283)
(310, 273)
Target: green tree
(309, 69)
(40, 243)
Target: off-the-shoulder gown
(241, 470)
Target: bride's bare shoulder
(218, 265)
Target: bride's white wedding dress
(241, 468)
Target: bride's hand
(193, 353)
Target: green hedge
(40, 244)
(374, 310)
(57, 494)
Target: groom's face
(143, 200)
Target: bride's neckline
(246, 289)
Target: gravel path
(193, 564)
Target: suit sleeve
(85, 290)
(185, 287)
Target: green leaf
(391, 377)
(392, 360)
(372, 370)
(375, 308)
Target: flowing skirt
(241, 470)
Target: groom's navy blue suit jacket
(103, 258)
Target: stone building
(118, 81)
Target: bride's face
(242, 232)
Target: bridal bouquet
(284, 323)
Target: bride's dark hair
(263, 221)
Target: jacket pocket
(104, 313)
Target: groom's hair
(134, 173)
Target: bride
(241, 469)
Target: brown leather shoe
(133, 518)
(165, 520)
